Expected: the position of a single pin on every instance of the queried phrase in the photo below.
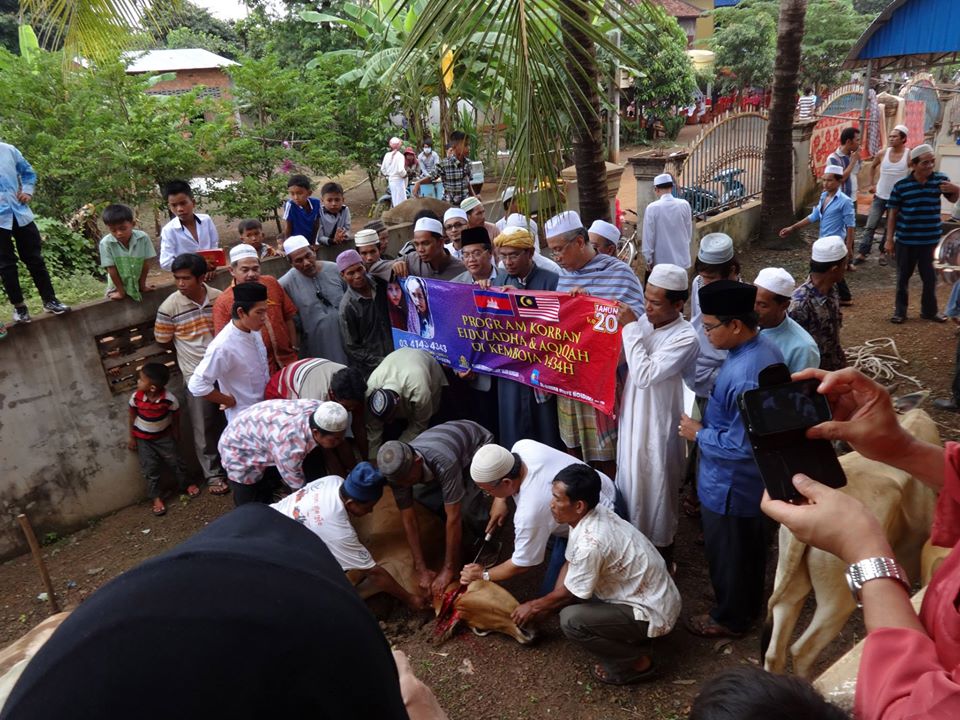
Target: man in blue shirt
(17, 180)
(735, 532)
(836, 215)
(914, 215)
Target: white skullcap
(241, 251)
(331, 416)
(920, 150)
(776, 280)
(454, 212)
(366, 237)
(829, 249)
(605, 229)
(663, 179)
(519, 220)
(294, 243)
(469, 203)
(668, 277)
(565, 222)
(508, 194)
(395, 142)
(491, 463)
(429, 225)
(715, 249)
(833, 170)
(902, 129)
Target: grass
(71, 290)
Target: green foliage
(9, 20)
(870, 7)
(830, 30)
(73, 264)
(184, 15)
(292, 40)
(188, 38)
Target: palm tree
(776, 209)
(536, 61)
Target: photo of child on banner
(547, 340)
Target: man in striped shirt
(185, 320)
(585, 272)
(914, 215)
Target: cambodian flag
(492, 303)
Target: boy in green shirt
(124, 253)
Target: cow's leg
(785, 614)
(834, 607)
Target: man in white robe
(658, 347)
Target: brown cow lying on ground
(904, 507)
(484, 606)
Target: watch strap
(873, 568)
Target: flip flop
(193, 491)
(219, 489)
(159, 511)
(706, 626)
(627, 676)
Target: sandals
(192, 491)
(158, 508)
(625, 676)
(219, 489)
(705, 626)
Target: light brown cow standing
(904, 507)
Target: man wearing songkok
(604, 237)
(432, 469)
(477, 216)
(476, 253)
(913, 218)
(525, 473)
(667, 227)
(278, 331)
(775, 287)
(728, 482)
(325, 507)
(368, 245)
(585, 272)
(316, 288)
(815, 305)
(430, 259)
(393, 168)
(381, 230)
(270, 442)
(454, 223)
(406, 386)
(364, 318)
(234, 371)
(615, 590)
(525, 412)
(658, 347)
(508, 199)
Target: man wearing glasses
(317, 289)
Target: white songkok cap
(902, 129)
(366, 237)
(519, 220)
(715, 249)
(294, 243)
(469, 203)
(920, 150)
(605, 229)
(508, 194)
(663, 179)
(833, 170)
(491, 463)
(429, 225)
(829, 249)
(241, 251)
(668, 277)
(565, 222)
(331, 416)
(776, 280)
(454, 212)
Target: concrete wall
(63, 432)
(739, 223)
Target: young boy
(251, 233)
(154, 431)
(334, 216)
(124, 253)
(301, 213)
(189, 231)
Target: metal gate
(725, 164)
(840, 110)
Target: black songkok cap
(250, 292)
(727, 297)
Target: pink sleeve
(945, 531)
(901, 677)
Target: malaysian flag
(544, 307)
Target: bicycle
(629, 249)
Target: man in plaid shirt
(453, 170)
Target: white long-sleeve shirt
(176, 240)
(393, 166)
(667, 232)
(237, 360)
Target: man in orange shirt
(279, 333)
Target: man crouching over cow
(615, 590)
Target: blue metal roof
(725, 3)
(910, 33)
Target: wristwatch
(485, 575)
(872, 569)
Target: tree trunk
(776, 209)
(589, 153)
